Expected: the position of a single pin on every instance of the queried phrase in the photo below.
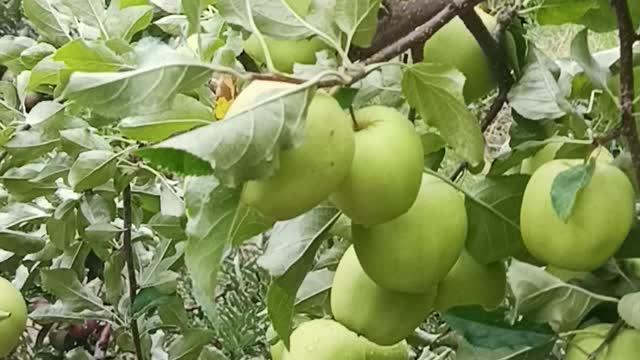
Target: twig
(615, 329)
(610, 136)
(128, 252)
(627, 37)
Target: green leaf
(164, 257)
(91, 12)
(76, 141)
(272, 18)
(19, 183)
(33, 55)
(598, 74)
(629, 309)
(59, 312)
(149, 89)
(242, 147)
(20, 213)
(44, 114)
(50, 23)
(123, 23)
(192, 9)
(493, 212)
(61, 226)
(189, 345)
(46, 72)
(566, 188)
(64, 284)
(491, 330)
(289, 257)
(21, 243)
(113, 278)
(95, 56)
(543, 298)
(147, 300)
(10, 49)
(74, 257)
(185, 114)
(435, 91)
(57, 167)
(172, 24)
(96, 209)
(358, 19)
(26, 146)
(315, 283)
(216, 220)
(91, 169)
(560, 12)
(170, 227)
(537, 95)
(174, 313)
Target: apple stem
(353, 118)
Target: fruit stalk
(128, 252)
(627, 36)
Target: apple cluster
(408, 227)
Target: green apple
(543, 156)
(284, 53)
(373, 351)
(13, 317)
(324, 339)
(309, 173)
(415, 251)
(278, 351)
(600, 221)
(548, 153)
(386, 170)
(472, 283)
(625, 346)
(456, 46)
(382, 316)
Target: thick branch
(423, 32)
(627, 37)
(128, 252)
(493, 50)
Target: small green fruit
(284, 53)
(324, 340)
(373, 351)
(600, 220)
(455, 45)
(382, 316)
(308, 174)
(13, 317)
(415, 251)
(472, 283)
(625, 346)
(386, 170)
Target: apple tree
(145, 143)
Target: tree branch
(128, 252)
(423, 32)
(493, 50)
(627, 36)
